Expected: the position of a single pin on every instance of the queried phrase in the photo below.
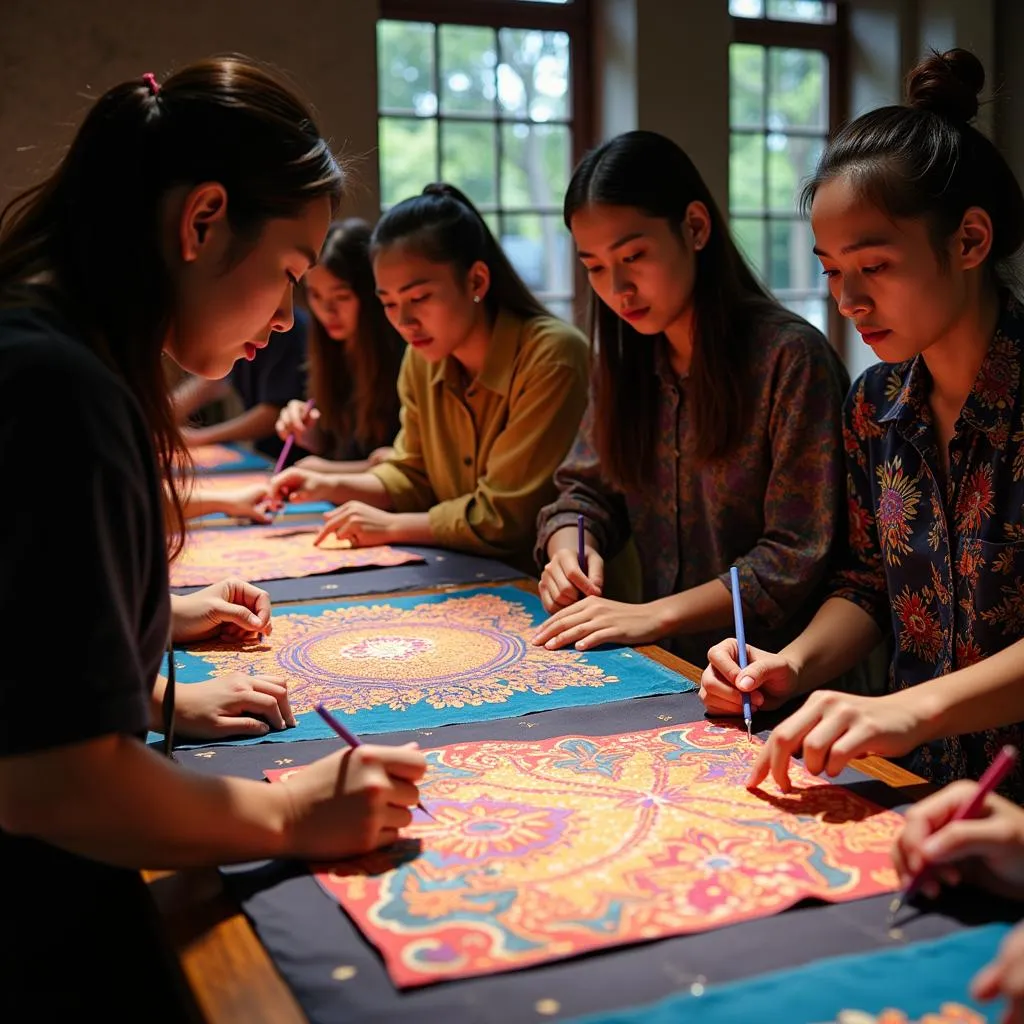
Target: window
(785, 76)
(484, 94)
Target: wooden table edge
(230, 974)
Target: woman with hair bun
(917, 218)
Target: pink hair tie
(150, 79)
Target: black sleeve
(83, 589)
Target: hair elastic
(150, 79)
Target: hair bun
(947, 84)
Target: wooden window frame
(574, 19)
(832, 39)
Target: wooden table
(231, 977)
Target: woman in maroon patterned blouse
(713, 434)
(915, 215)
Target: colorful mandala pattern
(446, 654)
(271, 553)
(545, 850)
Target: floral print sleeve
(581, 489)
(861, 577)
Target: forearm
(835, 640)
(320, 465)
(116, 801)
(706, 607)
(252, 425)
(413, 528)
(567, 539)
(987, 695)
(364, 487)
(199, 504)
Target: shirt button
(467, 460)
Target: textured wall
(54, 54)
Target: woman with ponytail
(916, 219)
(492, 388)
(177, 224)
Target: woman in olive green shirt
(492, 390)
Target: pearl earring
(476, 298)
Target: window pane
(746, 8)
(536, 161)
(813, 310)
(797, 89)
(468, 153)
(791, 161)
(792, 263)
(533, 76)
(746, 86)
(405, 67)
(468, 75)
(749, 233)
(746, 172)
(538, 246)
(801, 10)
(408, 157)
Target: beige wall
(665, 68)
(55, 53)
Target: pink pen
(994, 774)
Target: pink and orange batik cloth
(272, 553)
(544, 850)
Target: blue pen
(741, 643)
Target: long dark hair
(225, 120)
(443, 226)
(650, 173)
(355, 386)
(925, 159)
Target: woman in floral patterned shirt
(915, 214)
(713, 435)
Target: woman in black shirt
(203, 202)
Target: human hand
(833, 728)
(769, 678)
(353, 801)
(224, 706)
(360, 524)
(596, 620)
(1004, 977)
(296, 484)
(379, 455)
(563, 582)
(989, 847)
(252, 502)
(296, 419)
(231, 609)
